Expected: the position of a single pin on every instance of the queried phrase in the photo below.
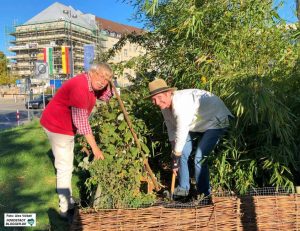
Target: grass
(27, 177)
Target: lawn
(27, 177)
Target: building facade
(112, 32)
(61, 29)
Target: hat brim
(161, 91)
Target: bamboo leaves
(251, 61)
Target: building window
(125, 53)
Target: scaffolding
(30, 40)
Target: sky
(20, 11)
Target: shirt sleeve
(80, 120)
(183, 111)
(169, 123)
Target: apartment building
(46, 44)
(113, 32)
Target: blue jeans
(203, 144)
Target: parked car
(38, 102)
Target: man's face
(162, 100)
(98, 80)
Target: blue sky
(20, 11)
(288, 10)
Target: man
(67, 114)
(195, 120)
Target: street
(8, 113)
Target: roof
(119, 28)
(56, 12)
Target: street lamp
(70, 16)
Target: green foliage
(241, 51)
(3, 69)
(118, 176)
(5, 76)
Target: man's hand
(96, 151)
(175, 171)
(175, 164)
(175, 161)
(98, 154)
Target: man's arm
(96, 151)
(184, 110)
(80, 120)
(168, 118)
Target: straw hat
(158, 86)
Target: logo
(19, 219)
(30, 221)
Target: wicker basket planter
(278, 212)
(275, 212)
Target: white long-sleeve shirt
(194, 110)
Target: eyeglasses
(101, 76)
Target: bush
(118, 176)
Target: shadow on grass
(17, 202)
(51, 157)
(11, 144)
(56, 222)
(27, 183)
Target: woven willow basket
(279, 212)
(252, 212)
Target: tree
(4, 74)
(3, 68)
